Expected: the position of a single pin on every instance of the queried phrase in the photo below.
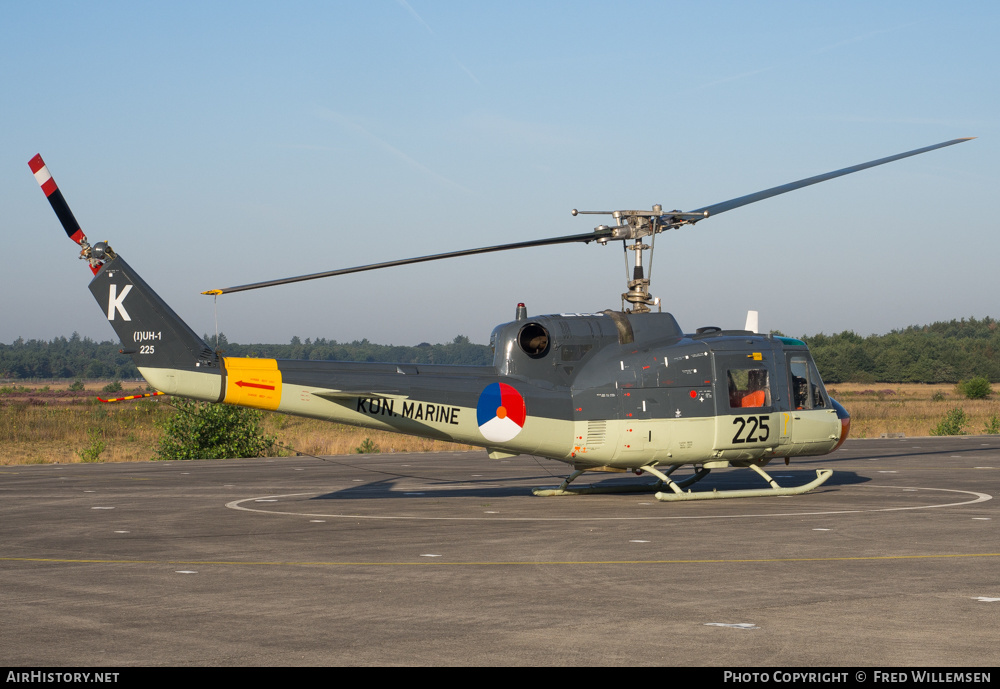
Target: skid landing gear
(821, 476)
(664, 478)
(677, 493)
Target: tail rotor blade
(59, 205)
(55, 197)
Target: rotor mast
(636, 225)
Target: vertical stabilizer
(164, 348)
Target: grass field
(43, 423)
(46, 423)
(912, 409)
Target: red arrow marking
(254, 385)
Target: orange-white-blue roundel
(500, 412)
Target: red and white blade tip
(42, 175)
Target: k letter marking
(115, 302)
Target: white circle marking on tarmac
(979, 497)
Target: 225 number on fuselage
(752, 429)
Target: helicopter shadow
(393, 489)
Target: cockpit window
(534, 340)
(807, 387)
(748, 388)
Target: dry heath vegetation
(913, 409)
(49, 422)
(46, 423)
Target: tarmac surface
(447, 559)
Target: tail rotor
(62, 210)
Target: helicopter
(609, 391)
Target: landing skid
(677, 493)
(564, 489)
(821, 476)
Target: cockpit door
(813, 419)
(744, 400)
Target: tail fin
(169, 355)
(164, 348)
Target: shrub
(954, 423)
(113, 386)
(992, 426)
(977, 388)
(200, 430)
(92, 453)
(367, 447)
(77, 386)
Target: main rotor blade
(729, 205)
(587, 237)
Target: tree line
(82, 358)
(943, 352)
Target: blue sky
(215, 144)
